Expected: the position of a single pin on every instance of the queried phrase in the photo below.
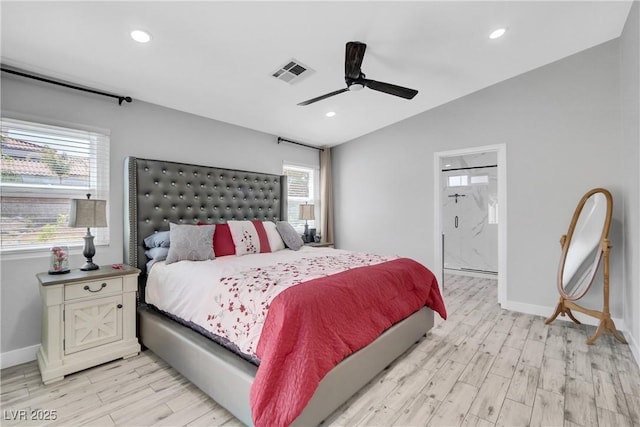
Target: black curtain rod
(299, 143)
(469, 167)
(120, 98)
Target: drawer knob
(87, 288)
(119, 305)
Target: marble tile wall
(470, 218)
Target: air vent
(292, 71)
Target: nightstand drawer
(95, 288)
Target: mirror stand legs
(606, 325)
(566, 304)
(562, 309)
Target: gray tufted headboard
(159, 192)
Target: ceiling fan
(356, 80)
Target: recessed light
(497, 33)
(330, 114)
(140, 36)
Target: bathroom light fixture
(496, 34)
(330, 114)
(140, 36)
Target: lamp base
(88, 266)
(305, 236)
(88, 252)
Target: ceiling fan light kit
(356, 79)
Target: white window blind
(43, 168)
(302, 188)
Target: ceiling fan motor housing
(355, 84)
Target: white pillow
(275, 241)
(249, 237)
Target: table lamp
(88, 213)
(307, 212)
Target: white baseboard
(16, 357)
(634, 346)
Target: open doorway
(476, 239)
(469, 214)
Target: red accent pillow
(222, 241)
(262, 236)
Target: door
(469, 219)
(92, 323)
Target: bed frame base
(227, 379)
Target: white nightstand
(88, 318)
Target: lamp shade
(88, 213)
(307, 212)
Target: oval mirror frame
(593, 257)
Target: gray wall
(561, 126)
(137, 129)
(630, 97)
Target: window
(458, 181)
(43, 168)
(465, 180)
(480, 179)
(302, 184)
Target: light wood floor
(484, 366)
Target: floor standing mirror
(585, 245)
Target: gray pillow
(190, 242)
(289, 235)
(157, 254)
(157, 240)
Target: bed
(163, 192)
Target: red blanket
(313, 326)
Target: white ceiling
(215, 59)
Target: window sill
(23, 253)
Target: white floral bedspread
(238, 308)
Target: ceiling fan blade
(400, 91)
(325, 96)
(353, 59)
